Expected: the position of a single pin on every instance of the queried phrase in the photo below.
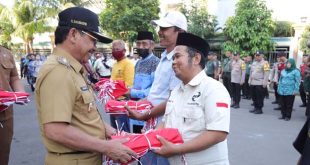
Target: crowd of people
(183, 87)
(30, 66)
(250, 79)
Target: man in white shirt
(198, 108)
(103, 65)
(172, 24)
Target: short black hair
(191, 52)
(61, 33)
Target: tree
(304, 39)
(53, 7)
(6, 29)
(25, 19)
(200, 22)
(250, 29)
(122, 19)
(283, 29)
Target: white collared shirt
(202, 104)
(164, 80)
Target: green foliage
(51, 8)
(25, 19)
(250, 29)
(283, 29)
(200, 22)
(6, 29)
(304, 39)
(122, 19)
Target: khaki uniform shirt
(259, 73)
(63, 95)
(8, 74)
(238, 71)
(201, 105)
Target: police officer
(237, 78)
(226, 75)
(212, 67)
(258, 81)
(70, 124)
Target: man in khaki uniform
(71, 127)
(9, 81)
(237, 78)
(258, 81)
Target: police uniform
(63, 95)
(200, 105)
(227, 74)
(237, 78)
(258, 80)
(8, 74)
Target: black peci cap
(83, 19)
(193, 41)
(145, 35)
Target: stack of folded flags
(8, 98)
(110, 89)
(142, 143)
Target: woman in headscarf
(287, 88)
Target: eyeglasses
(91, 36)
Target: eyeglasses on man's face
(95, 40)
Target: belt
(69, 153)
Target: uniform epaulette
(266, 66)
(63, 61)
(243, 66)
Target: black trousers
(302, 93)
(235, 90)
(276, 94)
(227, 82)
(258, 95)
(6, 133)
(308, 106)
(286, 103)
(266, 92)
(246, 91)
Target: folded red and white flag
(118, 107)
(8, 98)
(115, 107)
(142, 143)
(110, 89)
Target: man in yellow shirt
(124, 70)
